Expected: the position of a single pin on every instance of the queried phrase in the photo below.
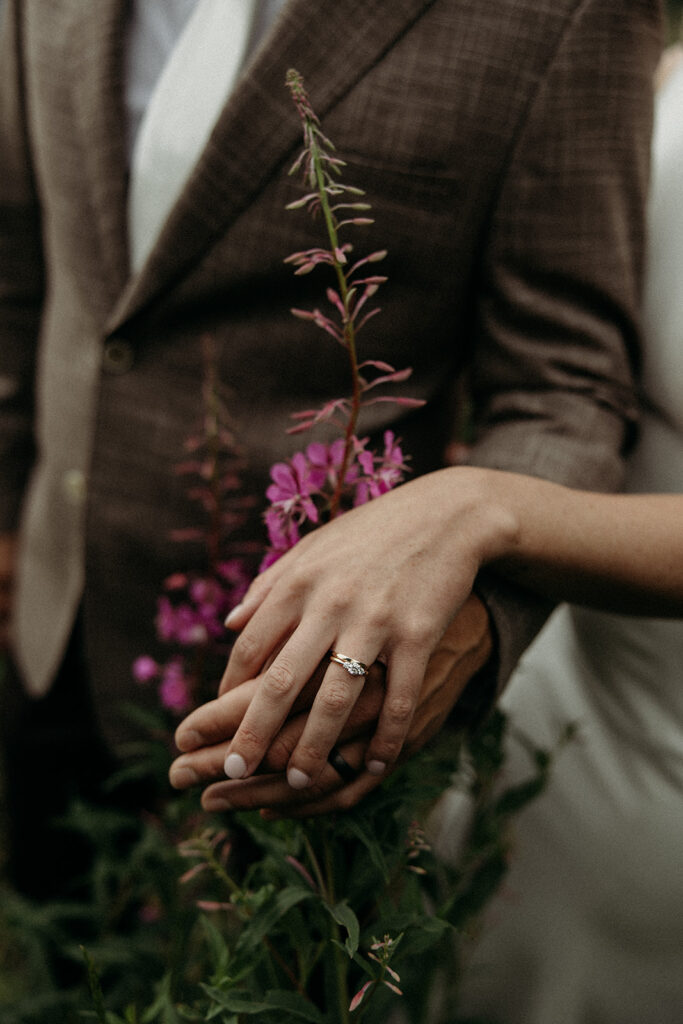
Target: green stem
(340, 960)
(349, 328)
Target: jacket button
(118, 357)
(74, 486)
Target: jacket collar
(258, 115)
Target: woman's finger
(271, 623)
(277, 690)
(339, 691)
(273, 791)
(405, 673)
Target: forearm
(619, 552)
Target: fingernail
(182, 776)
(298, 779)
(376, 767)
(189, 740)
(216, 804)
(230, 618)
(235, 766)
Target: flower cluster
(190, 615)
(302, 488)
(381, 952)
(317, 484)
(192, 608)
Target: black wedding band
(341, 766)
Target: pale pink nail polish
(235, 766)
(298, 779)
(230, 618)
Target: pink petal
(359, 996)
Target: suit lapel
(258, 130)
(97, 41)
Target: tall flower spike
(328, 194)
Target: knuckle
(246, 649)
(298, 581)
(249, 738)
(385, 750)
(279, 680)
(310, 754)
(417, 634)
(333, 699)
(377, 621)
(337, 605)
(399, 710)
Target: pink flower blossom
(379, 473)
(293, 484)
(174, 690)
(328, 459)
(359, 996)
(150, 913)
(145, 669)
(165, 620)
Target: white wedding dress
(588, 927)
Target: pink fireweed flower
(150, 913)
(293, 484)
(165, 620)
(359, 996)
(190, 629)
(174, 689)
(145, 669)
(379, 473)
(328, 459)
(298, 866)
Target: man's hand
(206, 734)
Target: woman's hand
(205, 735)
(380, 582)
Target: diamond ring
(353, 667)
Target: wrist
(495, 514)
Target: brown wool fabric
(504, 148)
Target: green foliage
(674, 20)
(195, 919)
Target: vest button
(118, 357)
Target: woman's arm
(618, 552)
(392, 599)
(433, 535)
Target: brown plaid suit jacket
(504, 146)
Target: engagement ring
(353, 667)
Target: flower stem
(340, 960)
(348, 325)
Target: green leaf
(163, 1007)
(344, 915)
(95, 987)
(218, 948)
(292, 1003)
(262, 922)
(371, 845)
